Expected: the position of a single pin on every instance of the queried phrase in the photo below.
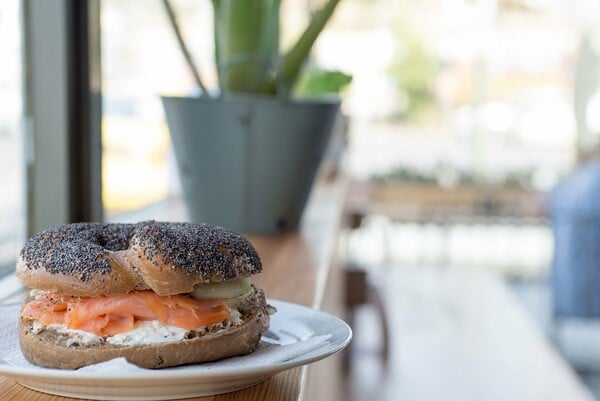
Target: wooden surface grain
(295, 269)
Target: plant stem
(182, 46)
(217, 41)
(295, 58)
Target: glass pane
(11, 172)
(141, 61)
(465, 110)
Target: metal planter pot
(248, 162)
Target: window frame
(62, 112)
(61, 116)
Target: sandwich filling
(143, 317)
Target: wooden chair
(362, 290)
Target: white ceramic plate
(297, 336)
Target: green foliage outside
(413, 71)
(453, 177)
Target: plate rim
(174, 375)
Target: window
(140, 62)
(11, 172)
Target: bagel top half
(92, 259)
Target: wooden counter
(296, 269)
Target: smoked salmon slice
(114, 314)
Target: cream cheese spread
(152, 332)
(75, 336)
(236, 317)
(36, 294)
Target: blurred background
(464, 116)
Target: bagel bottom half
(49, 348)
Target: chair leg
(359, 292)
(347, 353)
(377, 301)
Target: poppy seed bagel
(92, 259)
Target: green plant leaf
(316, 82)
(182, 46)
(296, 57)
(246, 43)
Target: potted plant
(247, 157)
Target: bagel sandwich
(159, 294)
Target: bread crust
(91, 259)
(45, 351)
